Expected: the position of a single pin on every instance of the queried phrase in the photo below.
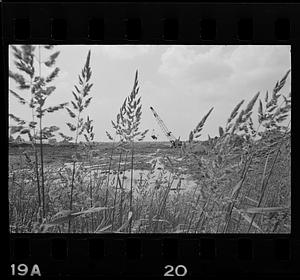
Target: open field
(63, 153)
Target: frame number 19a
(179, 270)
(24, 270)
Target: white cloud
(220, 71)
(196, 64)
(199, 64)
(252, 58)
(123, 51)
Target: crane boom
(163, 127)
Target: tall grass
(27, 60)
(127, 128)
(79, 104)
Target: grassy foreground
(159, 204)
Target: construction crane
(174, 141)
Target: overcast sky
(181, 82)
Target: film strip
(129, 256)
(151, 257)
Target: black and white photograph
(142, 139)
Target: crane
(174, 141)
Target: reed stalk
(116, 191)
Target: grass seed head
(202, 122)
(251, 103)
(235, 111)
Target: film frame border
(157, 24)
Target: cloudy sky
(181, 82)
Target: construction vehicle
(175, 143)
(154, 136)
